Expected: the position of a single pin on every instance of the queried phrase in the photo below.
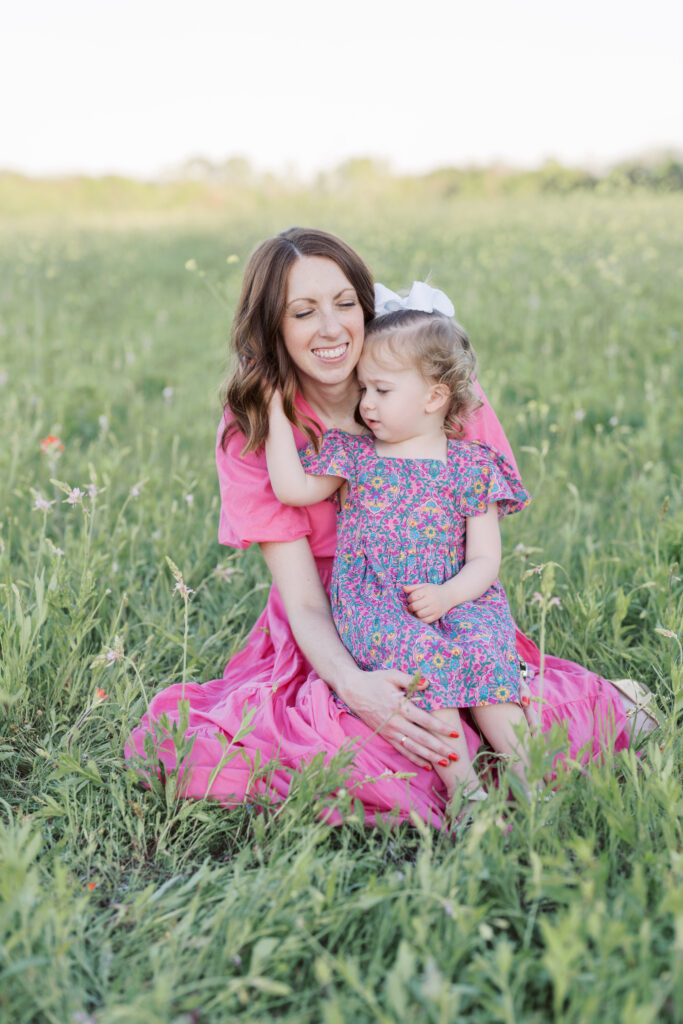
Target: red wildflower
(51, 445)
(101, 694)
(92, 885)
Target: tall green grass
(123, 904)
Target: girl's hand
(426, 600)
(379, 699)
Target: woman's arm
(429, 601)
(378, 698)
(291, 484)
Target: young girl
(414, 583)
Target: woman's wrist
(347, 681)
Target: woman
(299, 326)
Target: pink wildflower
(42, 504)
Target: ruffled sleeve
(483, 475)
(337, 455)
(250, 512)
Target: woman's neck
(333, 404)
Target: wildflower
(613, 421)
(448, 908)
(93, 491)
(135, 491)
(167, 393)
(233, 258)
(75, 497)
(189, 498)
(537, 598)
(554, 601)
(51, 445)
(109, 656)
(4, 377)
(103, 423)
(92, 885)
(224, 572)
(669, 633)
(101, 694)
(41, 504)
(237, 960)
(191, 265)
(579, 415)
(183, 590)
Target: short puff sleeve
(250, 512)
(337, 455)
(483, 476)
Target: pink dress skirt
(295, 715)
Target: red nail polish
(423, 684)
(454, 735)
(443, 761)
(427, 767)
(453, 757)
(525, 701)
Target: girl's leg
(459, 770)
(499, 723)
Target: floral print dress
(403, 521)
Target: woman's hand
(379, 699)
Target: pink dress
(296, 714)
(404, 521)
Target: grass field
(120, 904)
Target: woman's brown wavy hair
(263, 362)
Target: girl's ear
(438, 396)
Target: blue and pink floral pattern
(403, 521)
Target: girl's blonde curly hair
(439, 349)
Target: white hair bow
(421, 296)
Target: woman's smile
(331, 355)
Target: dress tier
(297, 715)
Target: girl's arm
(290, 483)
(429, 601)
(378, 698)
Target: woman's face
(323, 324)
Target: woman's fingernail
(423, 684)
(525, 701)
(454, 735)
(427, 767)
(453, 757)
(443, 761)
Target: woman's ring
(403, 740)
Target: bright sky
(137, 86)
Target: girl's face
(397, 403)
(323, 324)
